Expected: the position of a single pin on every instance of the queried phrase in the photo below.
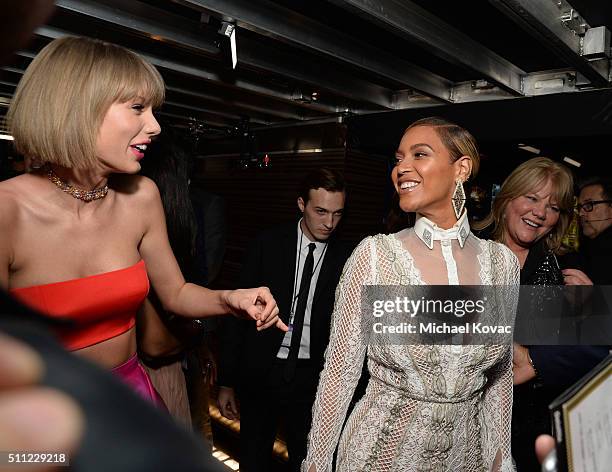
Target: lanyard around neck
(297, 268)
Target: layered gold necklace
(79, 193)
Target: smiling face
(531, 216)
(424, 176)
(322, 213)
(125, 132)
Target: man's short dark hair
(604, 182)
(323, 177)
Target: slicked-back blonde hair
(527, 178)
(65, 93)
(456, 139)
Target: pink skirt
(133, 374)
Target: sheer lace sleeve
(498, 411)
(498, 397)
(343, 361)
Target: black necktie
(298, 321)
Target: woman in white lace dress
(427, 407)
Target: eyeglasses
(588, 206)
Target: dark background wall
(258, 197)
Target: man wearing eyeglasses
(595, 211)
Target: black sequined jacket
(541, 267)
(557, 367)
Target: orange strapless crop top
(99, 307)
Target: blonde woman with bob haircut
(530, 215)
(529, 177)
(435, 407)
(82, 235)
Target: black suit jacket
(245, 353)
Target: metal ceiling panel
(302, 61)
(163, 26)
(210, 75)
(271, 19)
(145, 19)
(416, 24)
(560, 27)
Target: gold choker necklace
(85, 195)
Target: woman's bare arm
(188, 299)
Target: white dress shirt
(301, 253)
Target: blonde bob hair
(62, 98)
(457, 140)
(526, 178)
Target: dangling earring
(458, 198)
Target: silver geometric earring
(458, 198)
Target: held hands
(257, 304)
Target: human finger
(270, 321)
(19, 364)
(543, 446)
(223, 405)
(39, 419)
(224, 412)
(254, 306)
(576, 273)
(267, 304)
(576, 277)
(281, 325)
(230, 411)
(573, 280)
(234, 407)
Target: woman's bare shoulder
(135, 189)
(19, 182)
(16, 190)
(14, 195)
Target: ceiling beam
(279, 22)
(408, 20)
(215, 104)
(214, 77)
(227, 113)
(157, 24)
(546, 21)
(322, 76)
(239, 84)
(238, 106)
(210, 120)
(146, 20)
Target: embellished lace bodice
(426, 407)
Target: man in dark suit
(276, 374)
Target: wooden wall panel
(367, 181)
(258, 198)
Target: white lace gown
(426, 408)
